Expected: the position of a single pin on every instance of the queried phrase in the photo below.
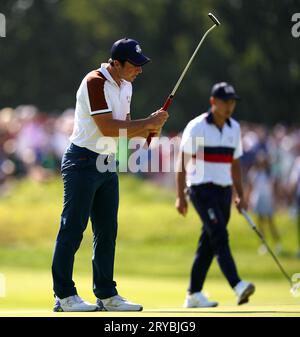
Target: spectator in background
(294, 184)
(261, 198)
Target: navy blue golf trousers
(87, 194)
(212, 203)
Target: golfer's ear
(117, 64)
(211, 100)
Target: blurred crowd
(274, 151)
(32, 143)
(271, 165)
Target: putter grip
(165, 107)
(167, 103)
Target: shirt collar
(106, 74)
(210, 119)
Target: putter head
(214, 19)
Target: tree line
(50, 45)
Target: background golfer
(211, 193)
(102, 109)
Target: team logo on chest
(128, 99)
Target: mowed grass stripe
(28, 293)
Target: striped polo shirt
(98, 94)
(214, 150)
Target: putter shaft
(171, 96)
(253, 226)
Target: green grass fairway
(28, 293)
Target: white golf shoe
(243, 291)
(117, 303)
(73, 304)
(198, 300)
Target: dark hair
(111, 62)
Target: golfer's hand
(181, 205)
(240, 204)
(155, 132)
(157, 119)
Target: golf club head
(214, 19)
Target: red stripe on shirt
(215, 158)
(218, 158)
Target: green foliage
(52, 44)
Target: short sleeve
(98, 102)
(192, 139)
(238, 152)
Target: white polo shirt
(215, 151)
(98, 94)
